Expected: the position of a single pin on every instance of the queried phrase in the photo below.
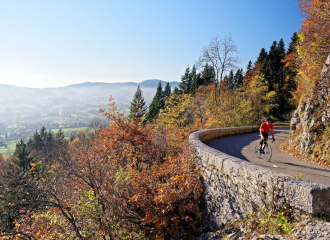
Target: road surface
(242, 146)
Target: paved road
(242, 146)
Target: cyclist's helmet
(268, 119)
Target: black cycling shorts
(265, 136)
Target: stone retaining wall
(233, 187)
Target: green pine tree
(176, 91)
(167, 90)
(186, 82)
(238, 78)
(230, 79)
(153, 109)
(262, 56)
(157, 103)
(208, 75)
(60, 135)
(160, 96)
(138, 106)
(22, 158)
(197, 81)
(249, 68)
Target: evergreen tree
(167, 90)
(157, 103)
(208, 75)
(153, 109)
(160, 96)
(39, 140)
(138, 106)
(262, 56)
(193, 75)
(43, 134)
(238, 78)
(230, 80)
(22, 158)
(60, 135)
(288, 83)
(176, 91)
(186, 82)
(292, 45)
(280, 50)
(197, 81)
(35, 142)
(22, 191)
(249, 68)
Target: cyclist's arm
(262, 136)
(273, 133)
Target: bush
(130, 182)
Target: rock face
(306, 230)
(234, 187)
(311, 118)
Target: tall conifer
(157, 103)
(186, 81)
(208, 75)
(138, 106)
(167, 90)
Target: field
(10, 146)
(8, 149)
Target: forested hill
(26, 101)
(84, 92)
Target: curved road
(242, 146)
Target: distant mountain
(16, 101)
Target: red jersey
(265, 127)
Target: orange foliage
(3, 166)
(130, 180)
(314, 41)
(247, 80)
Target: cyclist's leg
(265, 136)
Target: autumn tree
(221, 55)
(131, 181)
(313, 43)
(178, 111)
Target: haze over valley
(25, 110)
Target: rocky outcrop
(234, 187)
(311, 119)
(308, 229)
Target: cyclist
(264, 129)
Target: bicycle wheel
(267, 153)
(256, 151)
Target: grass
(6, 151)
(282, 124)
(68, 130)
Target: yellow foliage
(177, 111)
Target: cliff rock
(310, 121)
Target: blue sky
(57, 43)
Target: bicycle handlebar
(266, 139)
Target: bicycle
(265, 149)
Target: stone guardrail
(234, 187)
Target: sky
(57, 43)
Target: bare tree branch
(222, 55)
